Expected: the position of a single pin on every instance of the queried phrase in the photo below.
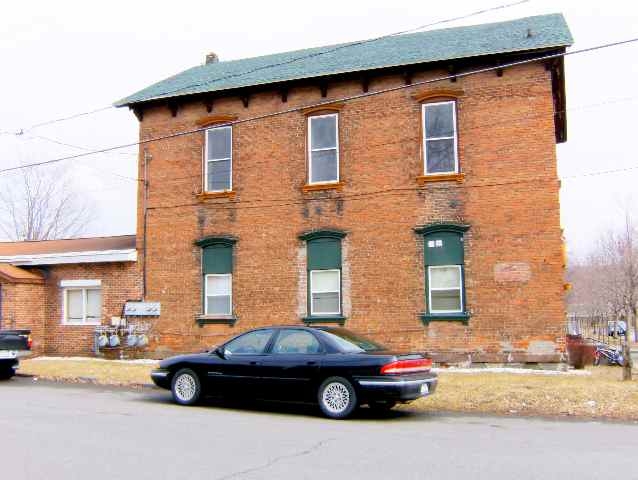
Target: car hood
(168, 362)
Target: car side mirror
(221, 352)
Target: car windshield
(348, 341)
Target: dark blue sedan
(333, 367)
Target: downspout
(147, 158)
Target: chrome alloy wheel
(185, 387)
(336, 397)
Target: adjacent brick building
(63, 289)
(346, 184)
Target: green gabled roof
(547, 31)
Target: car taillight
(29, 342)
(407, 366)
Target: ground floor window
(445, 289)
(323, 256)
(82, 305)
(325, 292)
(218, 294)
(217, 277)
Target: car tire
(382, 405)
(337, 397)
(186, 387)
(6, 373)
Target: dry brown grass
(90, 370)
(599, 395)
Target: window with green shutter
(217, 277)
(443, 251)
(323, 249)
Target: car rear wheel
(6, 373)
(337, 398)
(186, 387)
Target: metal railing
(607, 329)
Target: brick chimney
(212, 58)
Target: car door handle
(255, 363)
(311, 363)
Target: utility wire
(278, 64)
(336, 100)
(503, 120)
(337, 48)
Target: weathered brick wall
(23, 307)
(121, 281)
(509, 197)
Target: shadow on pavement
(282, 408)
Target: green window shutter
(217, 259)
(443, 248)
(324, 254)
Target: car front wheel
(186, 387)
(337, 398)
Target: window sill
(314, 187)
(447, 177)
(463, 317)
(340, 319)
(81, 324)
(221, 194)
(216, 320)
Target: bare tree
(41, 205)
(606, 282)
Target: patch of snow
(518, 371)
(137, 361)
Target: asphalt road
(52, 432)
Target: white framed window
(445, 289)
(325, 292)
(219, 294)
(323, 148)
(82, 306)
(218, 161)
(440, 139)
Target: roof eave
(228, 91)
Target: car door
(238, 371)
(291, 368)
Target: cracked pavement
(58, 431)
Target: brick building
(345, 184)
(62, 289)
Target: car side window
(296, 341)
(250, 343)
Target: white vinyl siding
(219, 297)
(82, 306)
(323, 148)
(218, 160)
(325, 292)
(440, 139)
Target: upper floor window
(440, 138)
(218, 168)
(323, 148)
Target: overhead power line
(331, 101)
(339, 47)
(277, 64)
(509, 119)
